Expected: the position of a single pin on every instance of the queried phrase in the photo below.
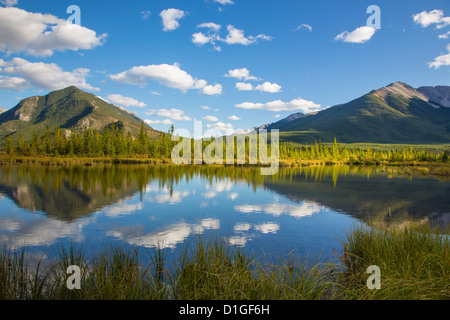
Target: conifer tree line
(113, 141)
(320, 151)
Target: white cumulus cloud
(212, 90)
(210, 25)
(13, 83)
(443, 60)
(360, 35)
(211, 118)
(40, 35)
(445, 35)
(241, 86)
(234, 118)
(42, 75)
(240, 74)
(436, 17)
(170, 18)
(234, 36)
(153, 122)
(200, 38)
(173, 114)
(171, 76)
(269, 87)
(226, 128)
(125, 101)
(304, 106)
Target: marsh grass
(414, 263)
(17, 281)
(86, 161)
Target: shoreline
(425, 168)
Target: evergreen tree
(10, 148)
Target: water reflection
(169, 237)
(164, 206)
(18, 232)
(276, 209)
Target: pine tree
(10, 148)
(46, 141)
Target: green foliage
(414, 263)
(114, 142)
(360, 154)
(10, 148)
(111, 142)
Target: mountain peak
(396, 113)
(71, 109)
(72, 89)
(66, 91)
(401, 89)
(400, 84)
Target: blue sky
(234, 64)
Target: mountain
(292, 117)
(397, 113)
(280, 123)
(3, 110)
(71, 109)
(439, 95)
(283, 122)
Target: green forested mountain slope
(71, 109)
(397, 113)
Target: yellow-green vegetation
(414, 263)
(114, 142)
(65, 161)
(358, 154)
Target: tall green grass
(414, 263)
(214, 270)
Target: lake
(308, 210)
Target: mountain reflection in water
(163, 206)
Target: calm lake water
(307, 209)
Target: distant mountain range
(71, 109)
(397, 113)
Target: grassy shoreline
(414, 263)
(441, 169)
